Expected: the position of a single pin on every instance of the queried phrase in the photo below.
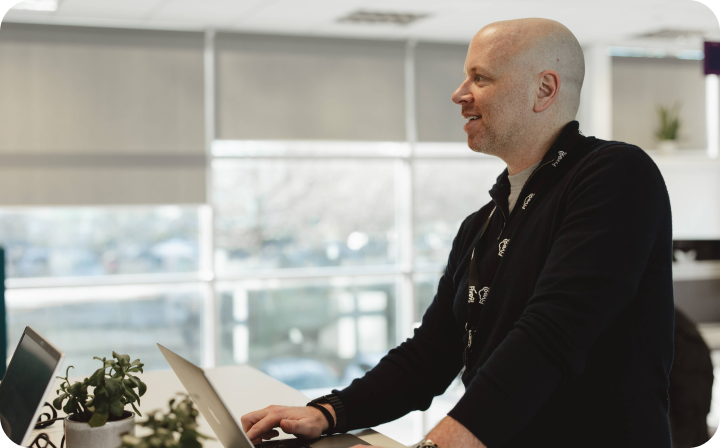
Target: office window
(309, 333)
(426, 285)
(294, 213)
(95, 320)
(445, 193)
(92, 241)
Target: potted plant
(669, 129)
(175, 429)
(97, 418)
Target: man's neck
(520, 166)
(533, 152)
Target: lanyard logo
(560, 156)
(482, 294)
(527, 200)
(503, 246)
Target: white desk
(242, 388)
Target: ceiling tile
(125, 9)
(217, 12)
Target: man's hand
(449, 433)
(301, 421)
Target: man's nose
(462, 94)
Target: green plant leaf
(188, 441)
(98, 419)
(113, 387)
(134, 380)
(71, 407)
(96, 379)
(132, 396)
(137, 411)
(102, 404)
(142, 389)
(121, 358)
(57, 403)
(116, 408)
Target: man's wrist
(336, 407)
(329, 407)
(329, 426)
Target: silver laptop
(27, 382)
(222, 422)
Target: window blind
(100, 116)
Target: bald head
(535, 46)
(522, 86)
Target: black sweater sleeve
(419, 369)
(615, 211)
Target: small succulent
(114, 387)
(175, 429)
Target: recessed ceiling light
(387, 18)
(38, 5)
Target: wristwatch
(339, 408)
(427, 443)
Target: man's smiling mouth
(472, 117)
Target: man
(556, 302)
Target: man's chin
(482, 147)
(476, 146)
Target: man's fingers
(248, 420)
(268, 435)
(290, 426)
(300, 421)
(271, 420)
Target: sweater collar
(568, 139)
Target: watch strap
(339, 408)
(327, 414)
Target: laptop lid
(27, 383)
(222, 422)
(211, 406)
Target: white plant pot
(81, 435)
(667, 147)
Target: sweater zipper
(502, 229)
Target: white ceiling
(612, 22)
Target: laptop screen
(22, 390)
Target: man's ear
(548, 88)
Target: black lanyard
(479, 282)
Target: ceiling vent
(381, 18)
(669, 34)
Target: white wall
(640, 85)
(693, 184)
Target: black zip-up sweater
(575, 341)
